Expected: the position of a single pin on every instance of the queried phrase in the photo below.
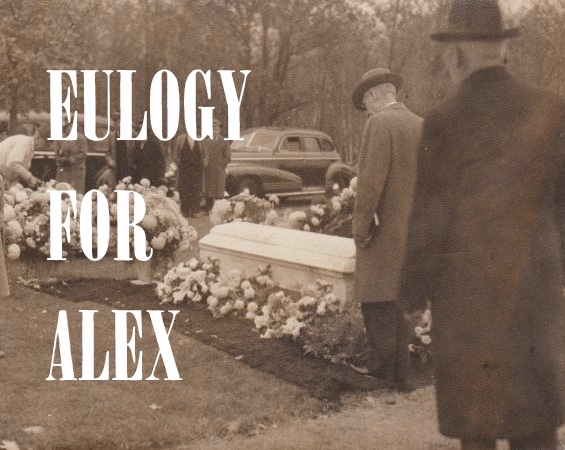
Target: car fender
(271, 179)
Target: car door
(290, 156)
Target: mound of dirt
(282, 358)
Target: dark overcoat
(148, 161)
(73, 154)
(485, 248)
(385, 184)
(190, 170)
(121, 153)
(216, 157)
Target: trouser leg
(546, 440)
(387, 333)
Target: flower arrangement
(245, 208)
(311, 316)
(27, 220)
(421, 340)
(332, 217)
(285, 315)
(166, 229)
(233, 293)
(312, 219)
(338, 336)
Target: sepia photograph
(282, 224)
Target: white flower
(317, 209)
(226, 309)
(315, 221)
(30, 243)
(261, 321)
(321, 310)
(336, 206)
(250, 315)
(306, 227)
(239, 209)
(13, 230)
(193, 263)
(21, 196)
(9, 213)
(427, 317)
(419, 331)
(353, 183)
(252, 307)
(159, 242)
(249, 293)
(9, 199)
(271, 217)
(14, 251)
(222, 292)
(239, 305)
(426, 340)
(212, 301)
(245, 284)
(149, 222)
(297, 216)
(145, 182)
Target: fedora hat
(372, 78)
(475, 20)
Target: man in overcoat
(485, 244)
(189, 173)
(71, 160)
(148, 159)
(216, 157)
(120, 154)
(385, 184)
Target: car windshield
(255, 142)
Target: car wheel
(252, 185)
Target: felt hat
(475, 20)
(373, 78)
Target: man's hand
(34, 182)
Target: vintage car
(286, 162)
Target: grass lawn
(219, 395)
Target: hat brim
(458, 36)
(365, 85)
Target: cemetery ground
(222, 402)
(238, 391)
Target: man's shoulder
(17, 139)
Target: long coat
(71, 162)
(385, 185)
(485, 249)
(190, 167)
(216, 157)
(122, 154)
(148, 161)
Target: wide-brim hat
(475, 20)
(373, 78)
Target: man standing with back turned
(485, 244)
(385, 185)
